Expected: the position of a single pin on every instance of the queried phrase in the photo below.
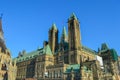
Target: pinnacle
(54, 26)
(73, 16)
(1, 25)
(64, 32)
(64, 35)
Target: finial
(1, 15)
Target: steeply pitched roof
(89, 50)
(47, 50)
(31, 55)
(64, 35)
(54, 26)
(114, 54)
(73, 16)
(104, 46)
(1, 25)
(28, 56)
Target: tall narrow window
(60, 74)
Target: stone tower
(73, 33)
(7, 66)
(110, 58)
(2, 43)
(74, 39)
(53, 38)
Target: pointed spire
(2, 44)
(1, 23)
(47, 50)
(1, 16)
(64, 35)
(104, 46)
(73, 16)
(64, 32)
(54, 26)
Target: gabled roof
(47, 50)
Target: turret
(2, 44)
(1, 31)
(53, 38)
(74, 33)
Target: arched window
(4, 67)
(54, 74)
(48, 74)
(60, 74)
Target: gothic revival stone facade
(119, 64)
(8, 68)
(67, 59)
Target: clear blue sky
(26, 22)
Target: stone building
(8, 68)
(119, 64)
(67, 59)
(110, 61)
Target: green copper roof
(64, 32)
(54, 26)
(104, 46)
(73, 16)
(89, 50)
(31, 55)
(76, 69)
(64, 35)
(47, 50)
(114, 54)
(73, 67)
